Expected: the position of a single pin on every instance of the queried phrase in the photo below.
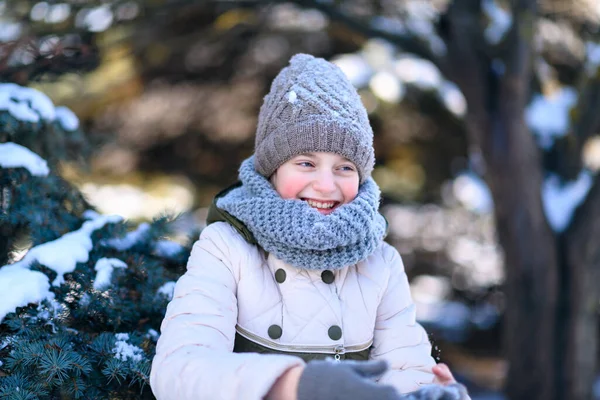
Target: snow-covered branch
(20, 286)
(30, 105)
(406, 37)
(13, 155)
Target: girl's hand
(443, 376)
(286, 386)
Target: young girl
(293, 270)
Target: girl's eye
(305, 164)
(347, 168)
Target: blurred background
(169, 91)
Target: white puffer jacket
(229, 286)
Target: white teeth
(318, 204)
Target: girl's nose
(324, 183)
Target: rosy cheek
(289, 190)
(350, 191)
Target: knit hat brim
(306, 136)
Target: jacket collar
(216, 214)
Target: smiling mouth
(322, 205)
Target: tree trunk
(580, 305)
(513, 171)
(515, 180)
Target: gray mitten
(347, 380)
(454, 391)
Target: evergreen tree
(80, 311)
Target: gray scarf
(297, 233)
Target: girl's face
(324, 180)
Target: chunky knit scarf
(297, 233)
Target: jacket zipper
(337, 350)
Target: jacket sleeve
(398, 338)
(194, 358)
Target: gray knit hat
(312, 107)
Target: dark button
(275, 332)
(327, 276)
(280, 275)
(335, 332)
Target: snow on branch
(500, 21)
(30, 105)
(548, 116)
(14, 155)
(63, 254)
(125, 351)
(104, 268)
(561, 199)
(419, 38)
(20, 286)
(130, 239)
(167, 290)
(593, 57)
(386, 73)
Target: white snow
(387, 87)
(57, 13)
(137, 202)
(167, 248)
(19, 110)
(548, 116)
(419, 72)
(292, 97)
(561, 200)
(130, 239)
(6, 341)
(14, 155)
(473, 193)
(152, 334)
(85, 300)
(378, 53)
(390, 25)
(500, 21)
(90, 214)
(104, 268)
(67, 118)
(49, 44)
(128, 11)
(97, 19)
(430, 289)
(20, 286)
(355, 67)
(125, 351)
(29, 105)
(287, 16)
(421, 18)
(482, 261)
(36, 100)
(450, 315)
(387, 74)
(167, 290)
(9, 31)
(453, 98)
(63, 254)
(593, 57)
(38, 11)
